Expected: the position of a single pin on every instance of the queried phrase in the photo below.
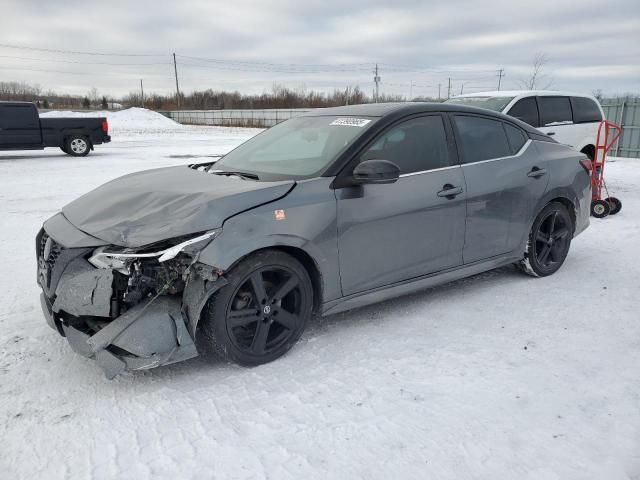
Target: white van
(570, 118)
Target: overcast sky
(321, 44)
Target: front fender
(305, 220)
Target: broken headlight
(107, 257)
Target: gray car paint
(145, 207)
(372, 250)
(359, 241)
(495, 218)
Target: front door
(19, 126)
(390, 233)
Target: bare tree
(537, 79)
(93, 96)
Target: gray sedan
(333, 210)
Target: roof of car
(12, 102)
(398, 110)
(526, 93)
(384, 109)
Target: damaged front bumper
(78, 300)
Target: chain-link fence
(235, 118)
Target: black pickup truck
(21, 128)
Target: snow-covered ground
(500, 376)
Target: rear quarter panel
(567, 180)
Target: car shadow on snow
(332, 325)
(51, 155)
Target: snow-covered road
(500, 376)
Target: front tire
(77, 146)
(262, 311)
(549, 241)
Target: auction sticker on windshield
(351, 122)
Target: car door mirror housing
(375, 171)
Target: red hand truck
(608, 134)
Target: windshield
(301, 147)
(496, 104)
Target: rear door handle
(551, 133)
(449, 191)
(537, 172)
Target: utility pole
(376, 79)
(411, 92)
(449, 89)
(461, 87)
(175, 69)
(500, 75)
(142, 93)
(439, 85)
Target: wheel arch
(559, 195)
(571, 208)
(225, 259)
(589, 150)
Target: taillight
(105, 127)
(586, 164)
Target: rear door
(390, 233)
(504, 179)
(19, 126)
(586, 118)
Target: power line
(312, 65)
(259, 68)
(75, 52)
(80, 62)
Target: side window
(585, 110)
(526, 110)
(481, 138)
(516, 137)
(18, 116)
(415, 145)
(554, 110)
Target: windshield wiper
(251, 176)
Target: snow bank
(129, 119)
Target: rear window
(516, 137)
(585, 110)
(555, 110)
(526, 110)
(481, 138)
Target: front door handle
(449, 191)
(537, 172)
(551, 133)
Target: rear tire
(77, 146)
(600, 208)
(262, 311)
(614, 204)
(549, 241)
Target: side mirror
(375, 171)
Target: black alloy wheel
(549, 241)
(263, 310)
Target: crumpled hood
(153, 205)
